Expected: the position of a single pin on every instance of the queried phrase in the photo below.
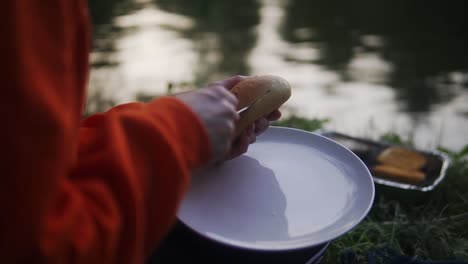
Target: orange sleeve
(133, 169)
(104, 190)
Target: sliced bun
(275, 89)
(398, 174)
(402, 158)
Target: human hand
(249, 135)
(216, 108)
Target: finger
(261, 125)
(230, 114)
(231, 128)
(228, 106)
(273, 116)
(253, 138)
(250, 132)
(229, 96)
(230, 82)
(219, 92)
(240, 146)
(250, 129)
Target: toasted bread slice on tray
(402, 158)
(397, 174)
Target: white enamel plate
(292, 189)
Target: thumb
(230, 82)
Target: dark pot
(182, 245)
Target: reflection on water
(222, 34)
(369, 66)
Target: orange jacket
(102, 190)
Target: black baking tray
(368, 150)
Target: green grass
(427, 226)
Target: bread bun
(402, 158)
(272, 91)
(398, 174)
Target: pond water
(369, 66)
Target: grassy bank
(427, 226)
